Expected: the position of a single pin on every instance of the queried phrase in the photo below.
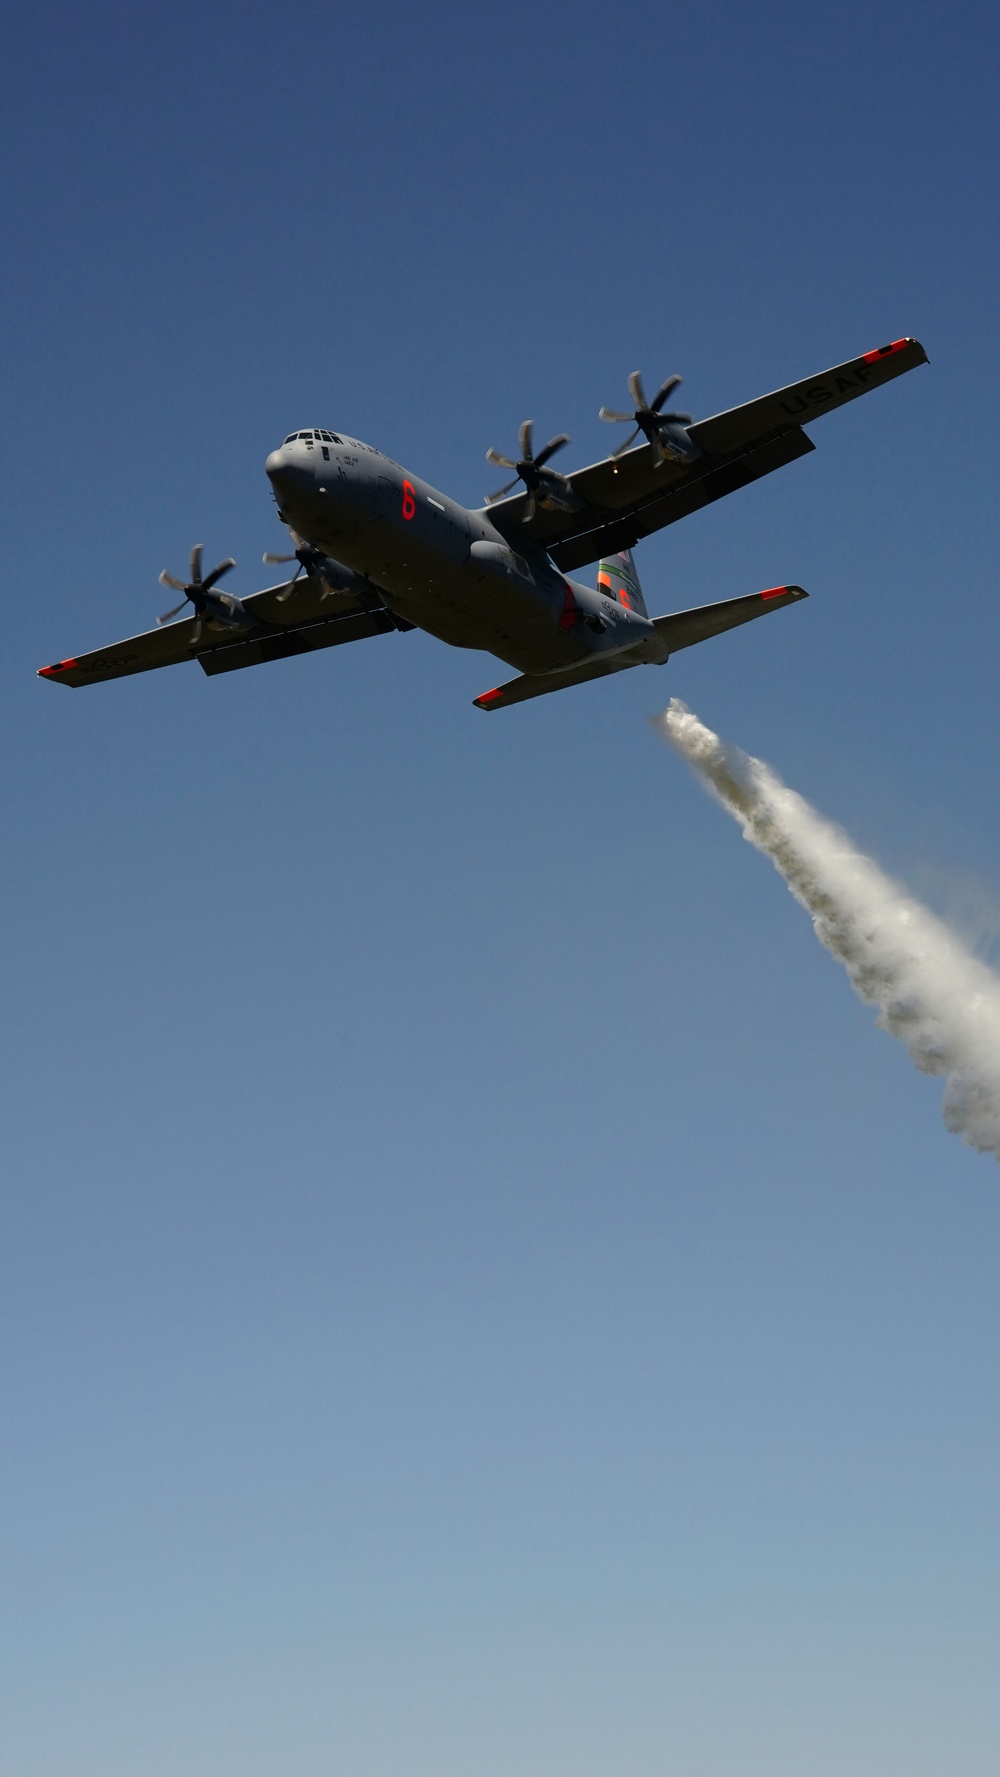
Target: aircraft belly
(432, 581)
(494, 622)
(449, 599)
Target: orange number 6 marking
(409, 500)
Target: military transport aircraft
(378, 550)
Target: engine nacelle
(336, 576)
(674, 443)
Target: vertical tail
(617, 579)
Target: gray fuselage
(447, 570)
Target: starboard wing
(631, 496)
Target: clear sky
(478, 1295)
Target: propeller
(542, 484)
(198, 590)
(664, 431)
(309, 559)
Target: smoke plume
(930, 991)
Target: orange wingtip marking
(774, 592)
(61, 666)
(489, 696)
(884, 351)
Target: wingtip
(896, 345)
(56, 669)
(487, 699)
(789, 592)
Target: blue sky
(478, 1294)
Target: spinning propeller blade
(532, 471)
(662, 430)
(196, 590)
(672, 383)
(309, 559)
(168, 614)
(550, 449)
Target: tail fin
(616, 576)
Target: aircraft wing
(302, 624)
(631, 496)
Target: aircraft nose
(288, 475)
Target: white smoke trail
(930, 992)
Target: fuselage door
(383, 489)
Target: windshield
(322, 437)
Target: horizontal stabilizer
(680, 630)
(537, 684)
(684, 628)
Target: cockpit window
(307, 437)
